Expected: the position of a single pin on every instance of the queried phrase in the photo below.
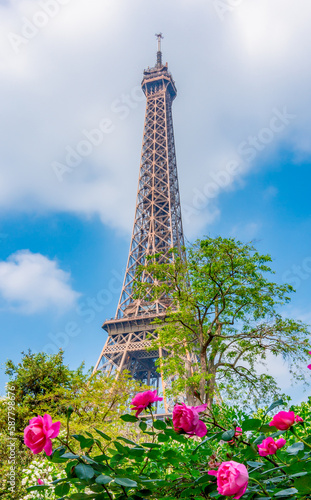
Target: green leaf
(116, 458)
(252, 424)
(80, 496)
(150, 445)
(260, 439)
(255, 464)
(295, 448)
(69, 456)
(143, 426)
(280, 402)
(84, 442)
(284, 493)
(96, 488)
(88, 459)
(128, 441)
(228, 435)
(204, 479)
(103, 435)
(266, 428)
(163, 438)
(159, 425)
(277, 434)
(123, 481)
(38, 488)
(136, 452)
(57, 455)
(210, 438)
(103, 479)
(303, 484)
(62, 489)
(121, 449)
(271, 470)
(57, 481)
(170, 454)
(101, 458)
(129, 418)
(84, 471)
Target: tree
(42, 383)
(224, 320)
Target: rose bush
(171, 461)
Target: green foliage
(177, 467)
(44, 384)
(223, 321)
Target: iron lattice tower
(157, 229)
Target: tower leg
(124, 356)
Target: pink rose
(283, 420)
(186, 418)
(298, 419)
(40, 482)
(232, 479)
(39, 432)
(238, 433)
(144, 400)
(309, 366)
(270, 447)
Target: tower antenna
(159, 53)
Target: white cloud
(30, 283)
(230, 76)
(245, 232)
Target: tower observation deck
(157, 229)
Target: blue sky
(242, 131)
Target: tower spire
(159, 53)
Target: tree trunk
(204, 371)
(211, 386)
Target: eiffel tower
(157, 229)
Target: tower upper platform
(158, 78)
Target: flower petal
(200, 429)
(199, 408)
(212, 473)
(48, 447)
(55, 429)
(47, 419)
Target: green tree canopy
(224, 321)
